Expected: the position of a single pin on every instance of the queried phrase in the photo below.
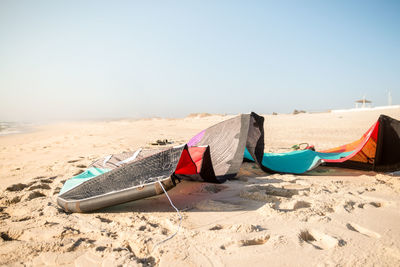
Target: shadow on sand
(192, 196)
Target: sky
(62, 60)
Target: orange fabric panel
(363, 149)
(371, 133)
(344, 148)
(367, 154)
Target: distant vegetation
(199, 115)
(298, 111)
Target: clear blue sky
(106, 59)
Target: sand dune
(328, 217)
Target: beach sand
(328, 217)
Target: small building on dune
(363, 103)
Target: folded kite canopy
(377, 150)
(213, 155)
(216, 154)
(227, 141)
(131, 181)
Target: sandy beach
(327, 217)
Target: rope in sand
(180, 219)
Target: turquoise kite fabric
(297, 162)
(83, 177)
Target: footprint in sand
(11, 234)
(17, 187)
(76, 243)
(254, 241)
(104, 220)
(320, 240)
(73, 161)
(260, 240)
(376, 204)
(34, 194)
(373, 204)
(5, 236)
(22, 219)
(301, 205)
(349, 206)
(48, 180)
(214, 205)
(280, 192)
(44, 181)
(14, 200)
(39, 186)
(83, 166)
(4, 215)
(69, 231)
(246, 228)
(357, 228)
(268, 193)
(292, 205)
(216, 227)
